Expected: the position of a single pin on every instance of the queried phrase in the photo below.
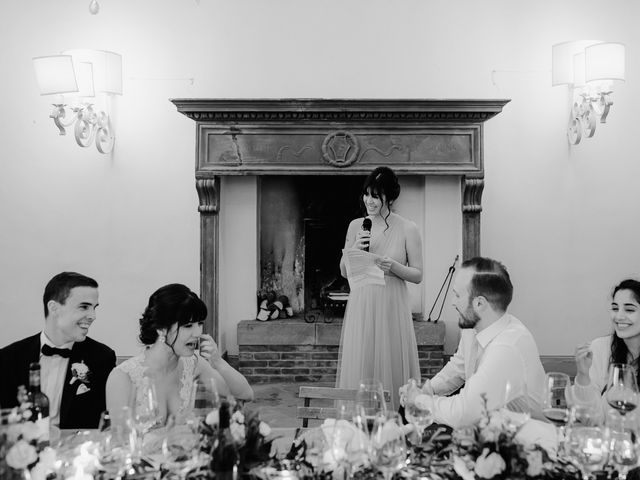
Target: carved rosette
(208, 194)
(340, 148)
(472, 194)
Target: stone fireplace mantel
(333, 137)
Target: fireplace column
(209, 207)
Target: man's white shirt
(53, 371)
(485, 361)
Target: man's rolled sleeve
(500, 364)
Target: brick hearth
(294, 351)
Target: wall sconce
(78, 76)
(588, 67)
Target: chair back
(308, 393)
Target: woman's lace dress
(136, 370)
(378, 340)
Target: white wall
(564, 220)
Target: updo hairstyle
(173, 303)
(381, 182)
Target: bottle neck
(34, 380)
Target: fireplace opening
(302, 222)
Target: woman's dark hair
(381, 182)
(619, 350)
(173, 303)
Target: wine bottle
(39, 404)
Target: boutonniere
(79, 372)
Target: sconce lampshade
(107, 68)
(55, 74)
(604, 61)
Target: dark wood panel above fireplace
(333, 137)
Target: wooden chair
(307, 412)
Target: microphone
(366, 226)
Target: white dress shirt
(504, 352)
(53, 371)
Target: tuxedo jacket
(82, 402)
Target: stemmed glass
(146, 414)
(418, 414)
(388, 444)
(625, 444)
(554, 402)
(622, 388)
(370, 400)
(587, 440)
(204, 397)
(118, 442)
(180, 448)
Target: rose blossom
(21, 455)
(237, 431)
(534, 460)
(461, 469)
(264, 429)
(488, 465)
(30, 431)
(238, 417)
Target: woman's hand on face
(584, 358)
(384, 263)
(363, 237)
(208, 348)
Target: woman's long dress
(378, 340)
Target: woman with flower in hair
(176, 353)
(378, 340)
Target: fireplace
(295, 149)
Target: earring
(162, 337)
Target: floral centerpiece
(23, 448)
(496, 448)
(235, 438)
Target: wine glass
(625, 446)
(118, 442)
(180, 448)
(146, 414)
(587, 439)
(204, 397)
(554, 402)
(622, 388)
(415, 410)
(388, 444)
(370, 400)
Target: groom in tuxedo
(74, 367)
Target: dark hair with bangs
(381, 182)
(619, 349)
(491, 281)
(173, 303)
(60, 286)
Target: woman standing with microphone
(378, 340)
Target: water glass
(370, 400)
(204, 397)
(388, 444)
(415, 411)
(622, 388)
(146, 413)
(119, 444)
(625, 445)
(180, 448)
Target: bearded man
(497, 357)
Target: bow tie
(49, 351)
